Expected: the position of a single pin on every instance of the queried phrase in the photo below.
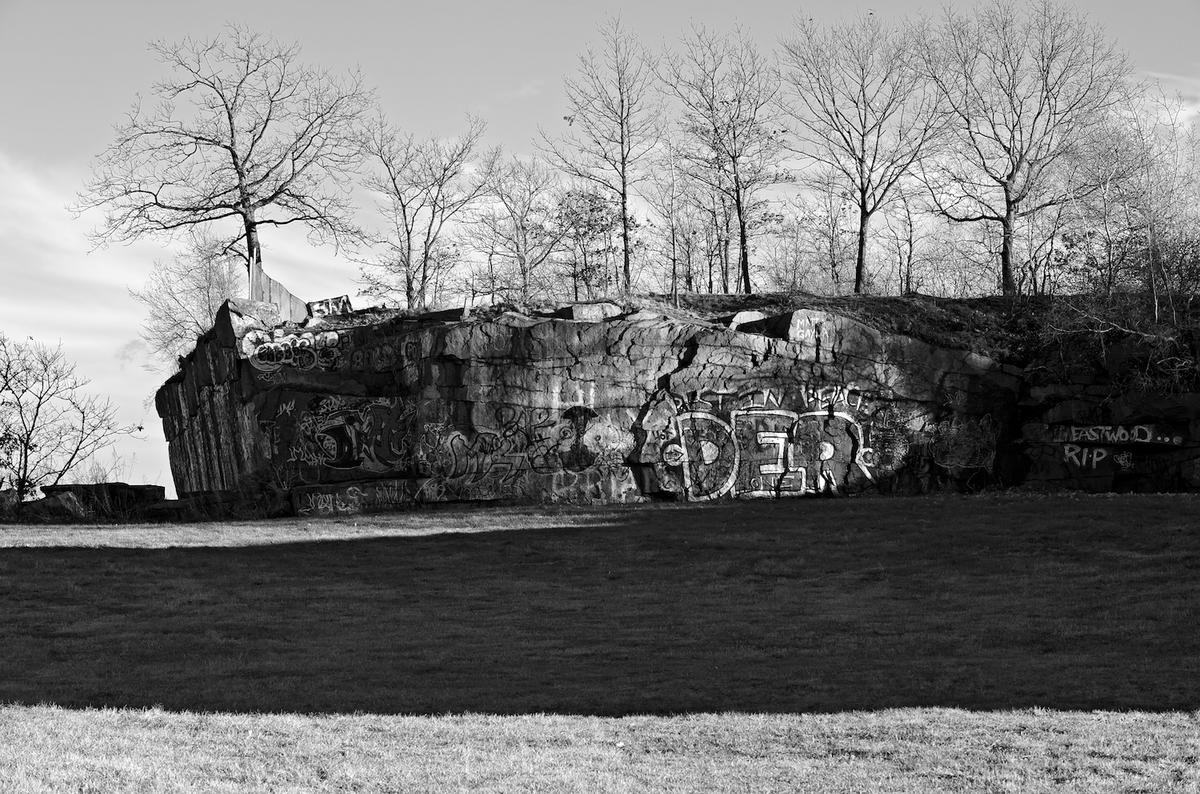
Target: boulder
(109, 499)
(591, 312)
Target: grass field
(1007, 643)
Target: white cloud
(1186, 86)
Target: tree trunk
(253, 258)
(689, 278)
(625, 236)
(834, 275)
(674, 266)
(743, 244)
(585, 275)
(725, 243)
(1007, 285)
(410, 290)
(1151, 280)
(860, 262)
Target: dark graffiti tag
(371, 436)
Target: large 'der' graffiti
(747, 444)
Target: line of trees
(1006, 149)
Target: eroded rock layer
(371, 410)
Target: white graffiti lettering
(1113, 434)
(831, 395)
(1084, 457)
(269, 353)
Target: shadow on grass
(763, 607)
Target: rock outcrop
(358, 411)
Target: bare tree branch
(863, 108)
(423, 186)
(182, 295)
(612, 123)
(1026, 88)
(242, 136)
(727, 94)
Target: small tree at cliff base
(49, 426)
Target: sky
(70, 69)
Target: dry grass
(917, 644)
(913, 750)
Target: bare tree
(612, 124)
(668, 198)
(786, 247)
(242, 134)
(51, 426)
(423, 185)
(589, 221)
(182, 295)
(863, 108)
(1025, 89)
(516, 231)
(907, 223)
(733, 137)
(1137, 227)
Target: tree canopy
(239, 136)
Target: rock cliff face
(359, 411)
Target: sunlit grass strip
(45, 749)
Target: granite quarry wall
(359, 411)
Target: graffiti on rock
(700, 452)
(579, 450)
(328, 306)
(306, 350)
(515, 452)
(577, 440)
(376, 358)
(368, 435)
(1102, 457)
(366, 497)
(711, 444)
(1114, 434)
(1084, 457)
(325, 504)
(964, 442)
(832, 395)
(746, 444)
(1086, 448)
(486, 464)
